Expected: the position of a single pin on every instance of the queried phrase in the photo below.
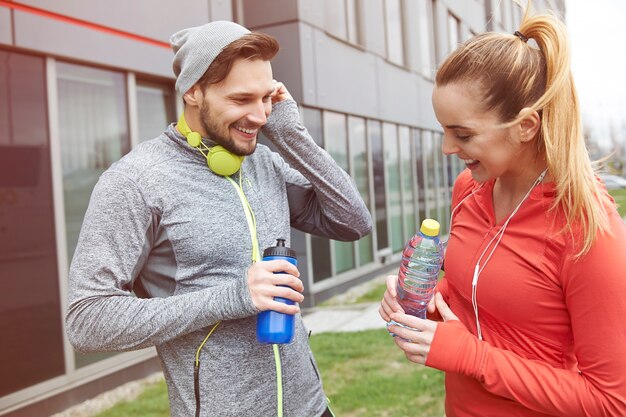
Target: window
(393, 23)
(444, 189)
(342, 19)
(454, 32)
(320, 246)
(359, 164)
(430, 173)
(375, 138)
(436, 30)
(434, 155)
(335, 18)
(426, 38)
(394, 197)
(94, 134)
(30, 310)
(336, 143)
(352, 21)
(156, 108)
(420, 170)
(408, 200)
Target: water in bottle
(272, 326)
(419, 269)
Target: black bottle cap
(280, 250)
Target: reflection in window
(156, 108)
(434, 18)
(352, 20)
(454, 30)
(378, 167)
(426, 38)
(94, 134)
(430, 175)
(408, 200)
(444, 189)
(435, 157)
(390, 144)
(336, 143)
(360, 173)
(342, 19)
(320, 246)
(420, 173)
(393, 24)
(335, 18)
(31, 350)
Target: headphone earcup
(222, 161)
(194, 139)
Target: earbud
(219, 159)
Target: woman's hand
(416, 340)
(389, 305)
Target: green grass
(373, 295)
(364, 374)
(620, 200)
(152, 402)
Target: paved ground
(351, 318)
(340, 314)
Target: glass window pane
(420, 170)
(337, 146)
(453, 32)
(31, 350)
(156, 108)
(444, 190)
(374, 133)
(438, 180)
(312, 119)
(390, 143)
(430, 181)
(352, 18)
(320, 247)
(335, 18)
(360, 173)
(320, 254)
(408, 200)
(426, 38)
(93, 126)
(393, 21)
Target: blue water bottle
(272, 326)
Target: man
(186, 237)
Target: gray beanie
(196, 48)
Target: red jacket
(554, 328)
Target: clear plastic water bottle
(272, 326)
(419, 270)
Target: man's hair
(254, 45)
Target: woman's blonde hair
(515, 75)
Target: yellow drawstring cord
(256, 256)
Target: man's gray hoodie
(162, 225)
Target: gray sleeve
(323, 199)
(103, 314)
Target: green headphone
(219, 159)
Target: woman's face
(472, 132)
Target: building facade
(82, 83)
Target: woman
(529, 317)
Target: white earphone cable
(497, 237)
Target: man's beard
(213, 132)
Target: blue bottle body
(272, 326)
